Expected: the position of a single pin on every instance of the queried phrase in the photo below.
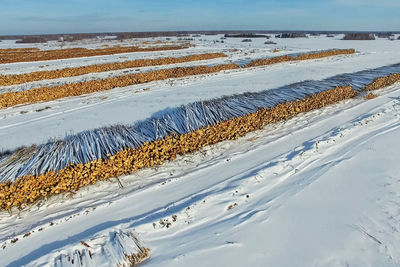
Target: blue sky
(63, 16)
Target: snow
(321, 189)
(23, 125)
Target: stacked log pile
(32, 54)
(305, 56)
(35, 95)
(10, 99)
(383, 82)
(6, 80)
(28, 189)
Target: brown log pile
(35, 95)
(18, 50)
(10, 99)
(6, 80)
(370, 96)
(306, 56)
(383, 82)
(26, 190)
(28, 55)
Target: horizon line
(204, 31)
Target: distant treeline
(128, 35)
(359, 36)
(246, 35)
(292, 35)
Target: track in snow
(286, 170)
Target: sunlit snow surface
(321, 189)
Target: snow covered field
(322, 189)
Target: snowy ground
(322, 189)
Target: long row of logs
(6, 80)
(10, 99)
(35, 95)
(26, 190)
(28, 55)
(18, 50)
(383, 82)
(305, 56)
